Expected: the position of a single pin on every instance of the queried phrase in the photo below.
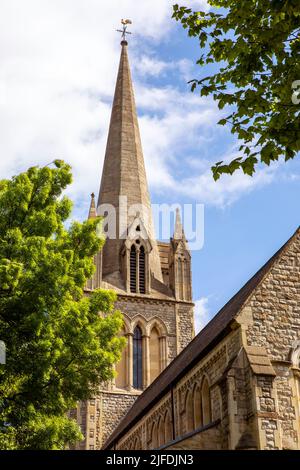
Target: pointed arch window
(155, 353)
(154, 436)
(168, 427)
(137, 359)
(189, 412)
(133, 269)
(142, 283)
(161, 432)
(197, 407)
(206, 406)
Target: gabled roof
(211, 334)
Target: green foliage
(256, 44)
(58, 347)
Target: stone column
(146, 361)
(147, 273)
(138, 270)
(127, 273)
(113, 380)
(129, 381)
(163, 352)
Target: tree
(256, 45)
(58, 347)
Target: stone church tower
(152, 278)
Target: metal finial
(124, 31)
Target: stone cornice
(149, 299)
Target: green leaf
(253, 46)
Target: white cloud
(182, 123)
(153, 66)
(58, 68)
(202, 314)
(228, 188)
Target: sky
(58, 66)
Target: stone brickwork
(275, 306)
(186, 326)
(113, 408)
(207, 439)
(275, 325)
(133, 306)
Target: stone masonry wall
(178, 317)
(113, 408)
(275, 325)
(148, 309)
(275, 306)
(186, 326)
(114, 405)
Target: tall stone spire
(124, 174)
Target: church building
(236, 385)
(152, 279)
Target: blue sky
(59, 65)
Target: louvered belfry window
(137, 276)
(133, 269)
(142, 270)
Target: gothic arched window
(197, 407)
(137, 359)
(189, 412)
(155, 356)
(205, 399)
(168, 427)
(133, 269)
(154, 436)
(142, 284)
(137, 444)
(161, 432)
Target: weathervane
(124, 31)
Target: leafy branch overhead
(255, 45)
